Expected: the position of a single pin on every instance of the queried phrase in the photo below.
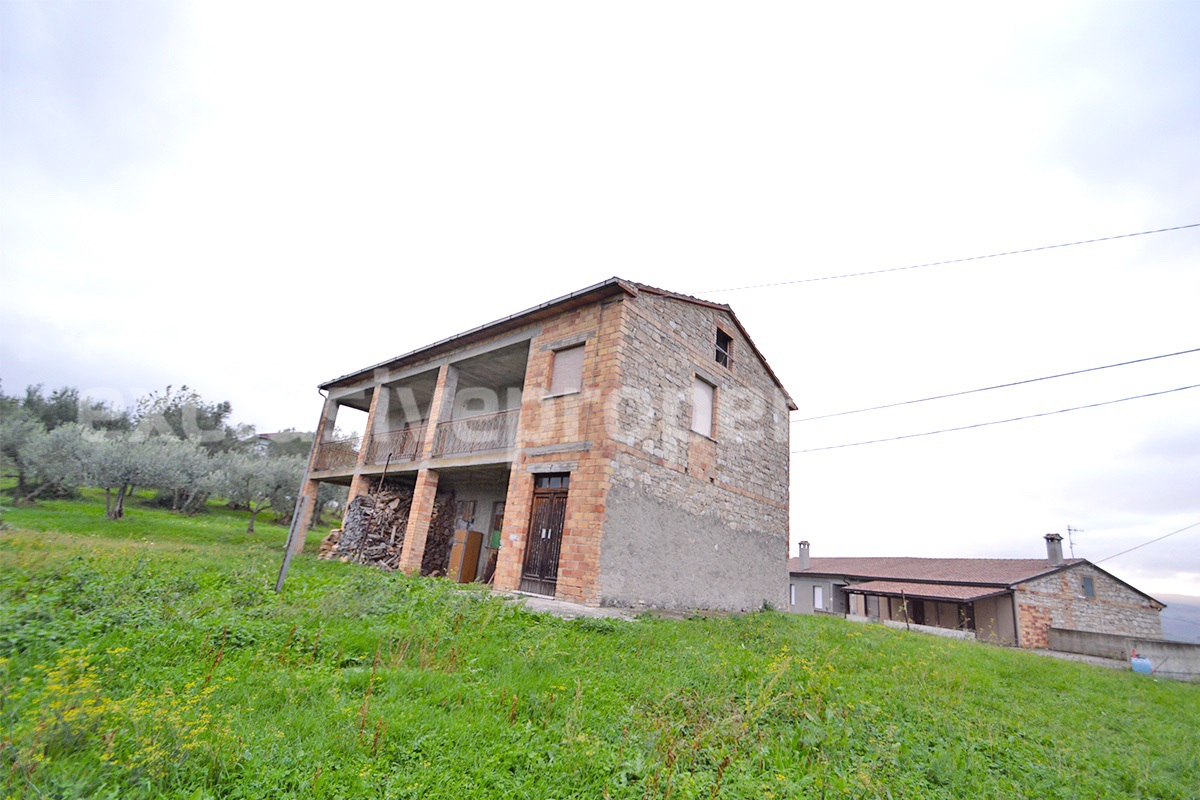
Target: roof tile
(986, 571)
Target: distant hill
(1181, 618)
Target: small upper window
(702, 407)
(1089, 587)
(552, 481)
(724, 344)
(567, 372)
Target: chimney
(803, 554)
(1054, 549)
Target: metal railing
(402, 445)
(337, 453)
(496, 431)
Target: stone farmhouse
(1011, 601)
(621, 445)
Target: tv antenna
(1071, 538)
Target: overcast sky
(251, 198)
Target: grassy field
(151, 658)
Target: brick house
(621, 445)
(1012, 601)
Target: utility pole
(1071, 538)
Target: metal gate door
(544, 538)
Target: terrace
(480, 411)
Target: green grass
(150, 658)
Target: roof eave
(611, 286)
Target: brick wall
(1057, 601)
(567, 433)
(1035, 622)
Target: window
(1089, 588)
(567, 372)
(724, 344)
(818, 597)
(702, 406)
(552, 481)
(792, 593)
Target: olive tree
(258, 482)
(183, 414)
(18, 429)
(185, 475)
(118, 464)
(59, 459)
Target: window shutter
(702, 407)
(567, 375)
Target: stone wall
(667, 344)
(694, 520)
(1058, 601)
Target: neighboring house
(1013, 601)
(282, 441)
(620, 445)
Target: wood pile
(373, 529)
(436, 560)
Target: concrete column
(310, 487)
(419, 517)
(441, 407)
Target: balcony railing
(496, 431)
(471, 435)
(403, 445)
(337, 453)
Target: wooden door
(544, 537)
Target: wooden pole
(293, 532)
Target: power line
(1143, 544)
(954, 260)
(998, 386)
(997, 422)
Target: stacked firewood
(436, 560)
(373, 529)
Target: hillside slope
(161, 664)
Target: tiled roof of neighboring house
(985, 571)
(927, 591)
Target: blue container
(1141, 665)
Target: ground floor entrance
(539, 573)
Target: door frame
(543, 545)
